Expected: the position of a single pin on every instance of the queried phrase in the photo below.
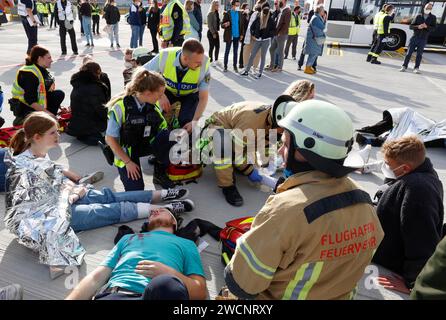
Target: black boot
(160, 177)
(369, 57)
(232, 196)
(375, 61)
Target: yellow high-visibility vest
(166, 23)
(118, 162)
(18, 92)
(190, 81)
(381, 24)
(294, 27)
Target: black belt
(121, 290)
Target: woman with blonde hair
(213, 19)
(136, 128)
(301, 90)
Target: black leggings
(95, 19)
(53, 99)
(214, 44)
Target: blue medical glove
(255, 176)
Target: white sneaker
(416, 70)
(11, 292)
(403, 69)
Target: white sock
(143, 209)
(269, 181)
(163, 194)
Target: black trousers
(378, 47)
(55, 19)
(154, 34)
(63, 34)
(53, 101)
(31, 34)
(291, 41)
(240, 58)
(95, 19)
(214, 46)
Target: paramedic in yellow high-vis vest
(187, 75)
(34, 87)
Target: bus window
(359, 11)
(405, 14)
(438, 10)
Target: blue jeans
(102, 208)
(86, 23)
(235, 52)
(114, 33)
(311, 59)
(3, 170)
(136, 35)
(162, 287)
(418, 44)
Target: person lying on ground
(154, 265)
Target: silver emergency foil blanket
(38, 211)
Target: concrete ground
(344, 78)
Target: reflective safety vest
(18, 92)
(190, 81)
(128, 149)
(52, 5)
(381, 24)
(40, 7)
(294, 27)
(167, 24)
(376, 19)
(95, 10)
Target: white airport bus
(351, 21)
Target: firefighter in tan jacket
(313, 239)
(239, 128)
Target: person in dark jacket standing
(153, 23)
(85, 12)
(95, 16)
(88, 100)
(136, 23)
(431, 283)
(280, 38)
(112, 18)
(213, 19)
(28, 9)
(232, 20)
(262, 29)
(411, 209)
(64, 10)
(199, 16)
(421, 26)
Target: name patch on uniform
(147, 130)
